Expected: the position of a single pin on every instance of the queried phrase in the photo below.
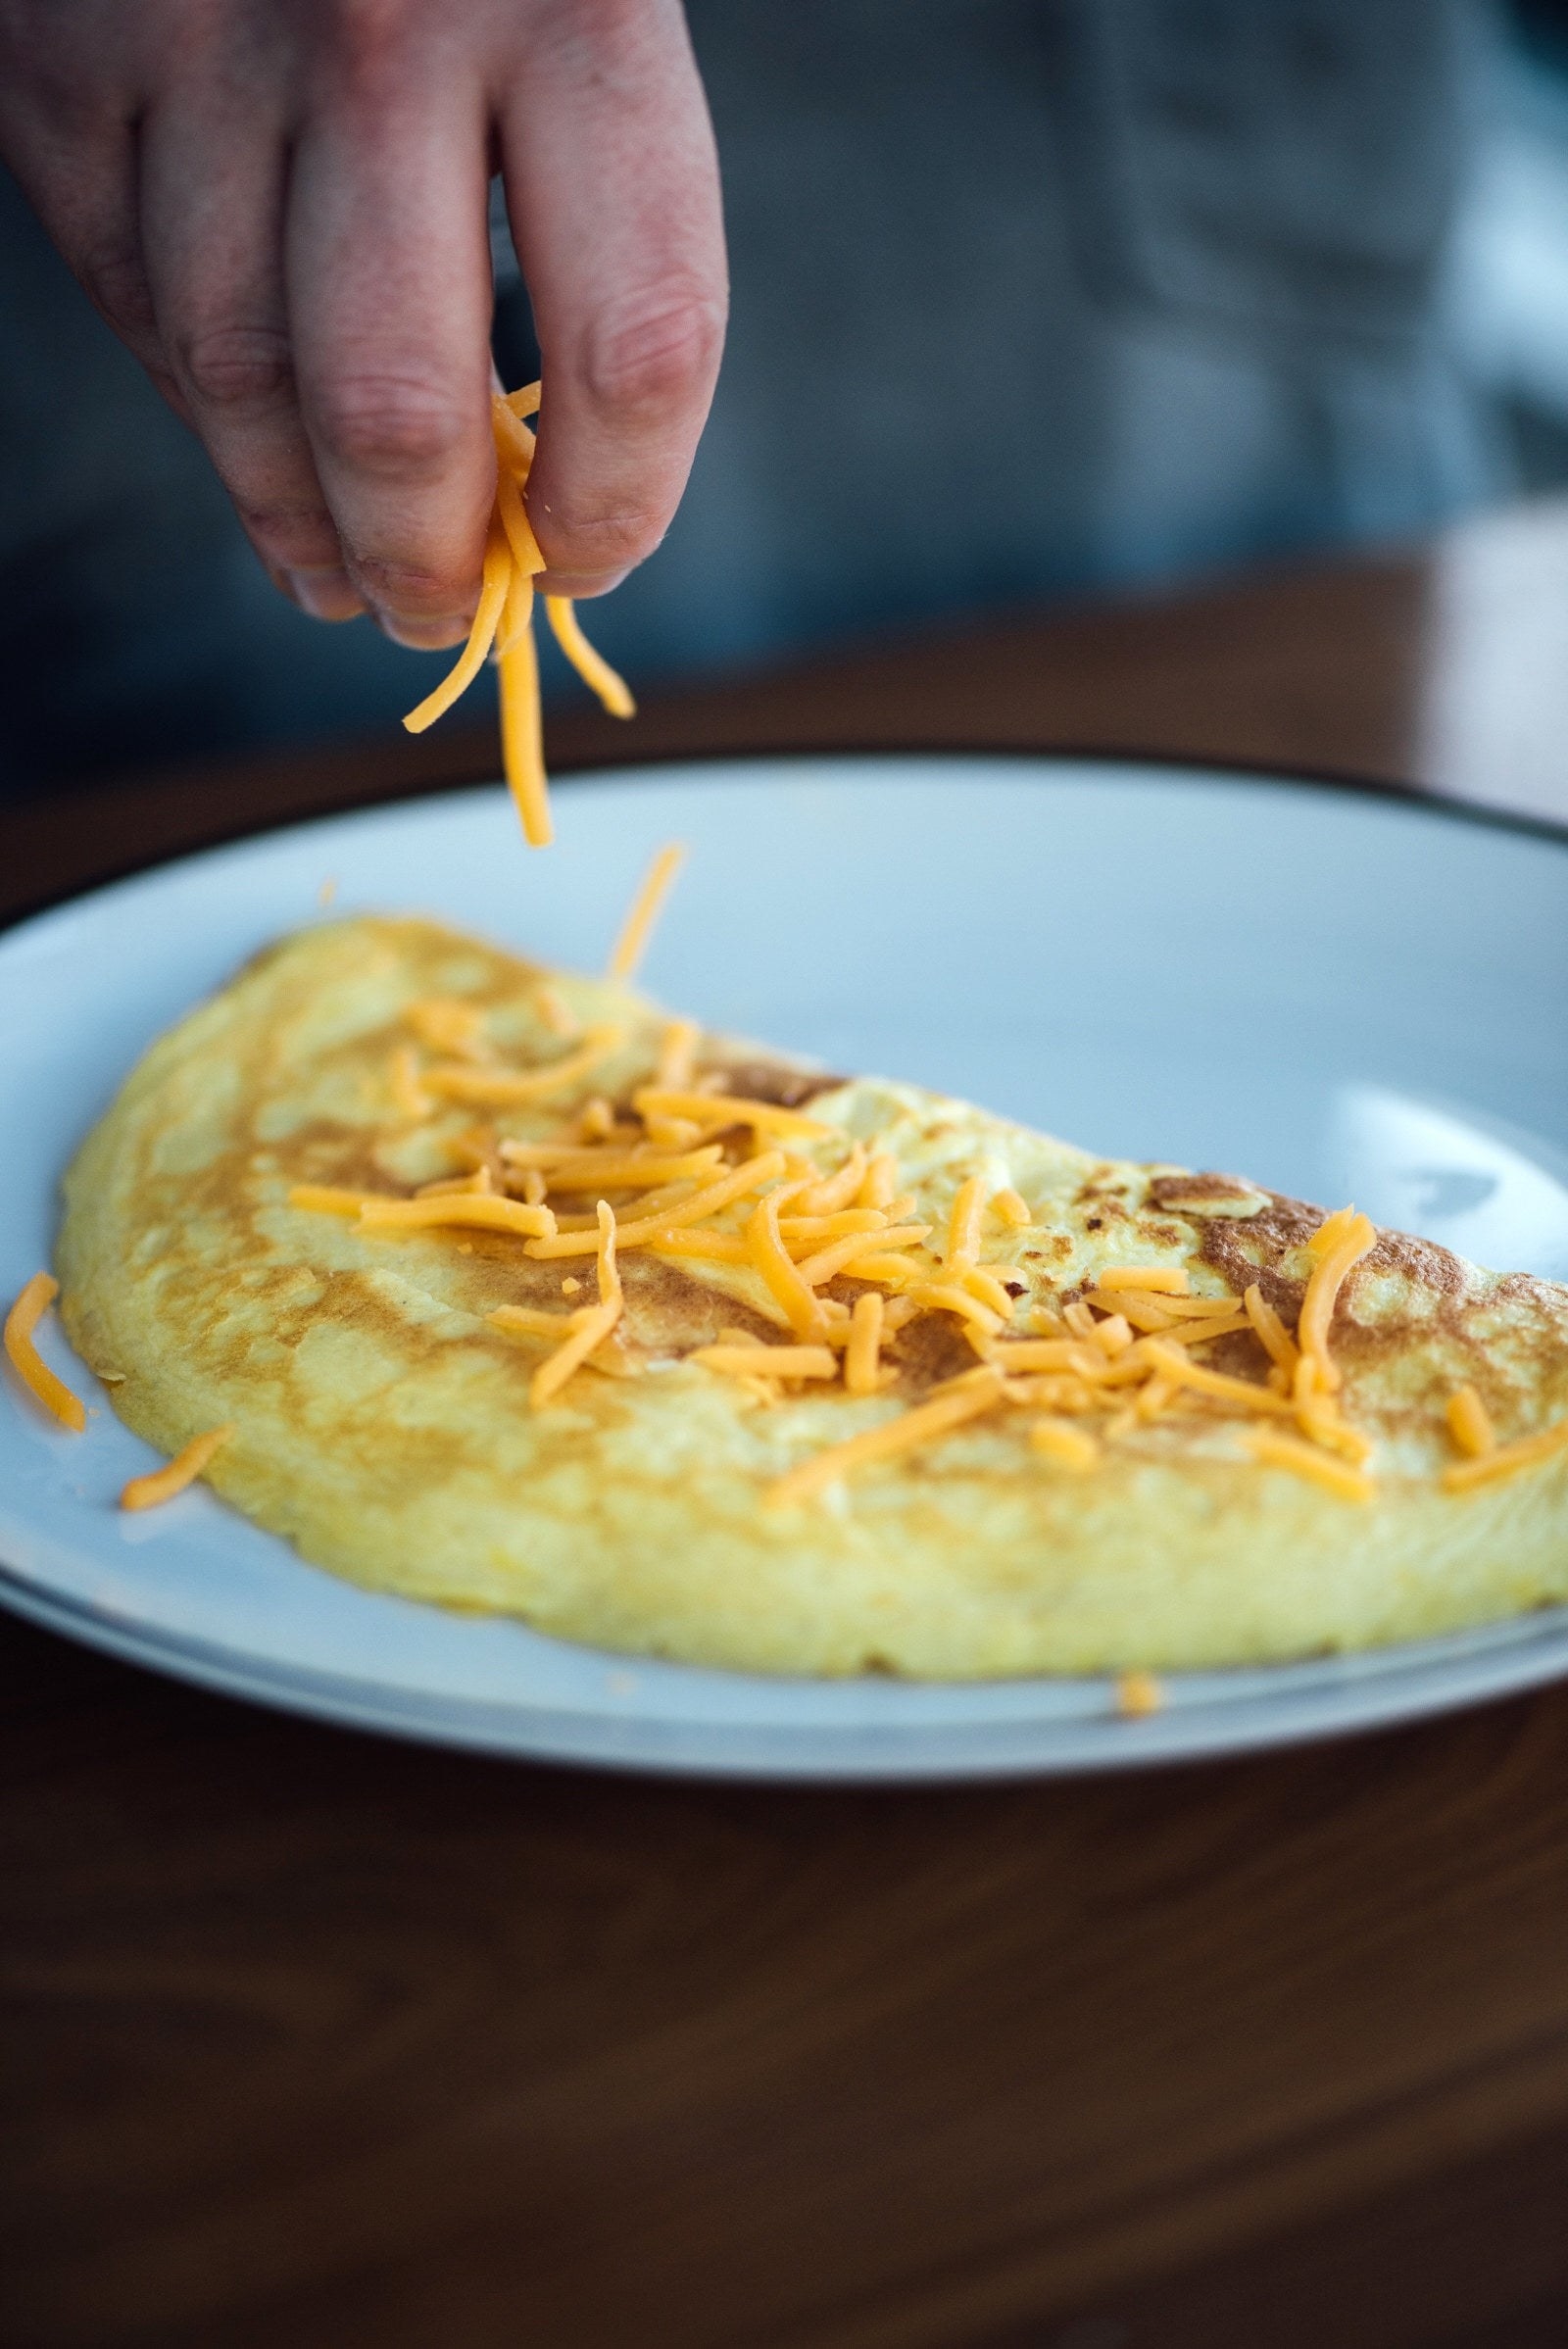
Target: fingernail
(328, 594)
(425, 635)
(579, 584)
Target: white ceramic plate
(1347, 995)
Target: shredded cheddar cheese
(1353, 1237)
(632, 943)
(711, 1110)
(846, 1252)
(1011, 1210)
(946, 1296)
(1138, 1695)
(26, 1361)
(770, 1258)
(841, 1192)
(749, 1176)
(677, 1055)
(863, 1355)
(532, 1321)
(1507, 1459)
(410, 1096)
(591, 666)
(1470, 1422)
(1068, 1446)
(906, 1433)
(1161, 1280)
(162, 1483)
(1277, 1341)
(469, 1210)
(963, 1222)
(768, 1361)
(1306, 1460)
(591, 1324)
(510, 1088)
(504, 621)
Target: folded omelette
(520, 1294)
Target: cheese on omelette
(513, 1292)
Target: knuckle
(115, 282)
(291, 535)
(418, 590)
(657, 350)
(388, 424)
(367, 48)
(591, 544)
(241, 369)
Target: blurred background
(1035, 301)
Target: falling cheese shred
(632, 943)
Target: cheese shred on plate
(29, 1364)
(162, 1483)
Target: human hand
(280, 207)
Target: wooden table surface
(314, 2038)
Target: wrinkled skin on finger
(279, 207)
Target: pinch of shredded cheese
(503, 620)
(55, 1397)
(162, 1483)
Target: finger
(613, 190)
(212, 219)
(387, 263)
(84, 192)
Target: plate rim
(1412, 797)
